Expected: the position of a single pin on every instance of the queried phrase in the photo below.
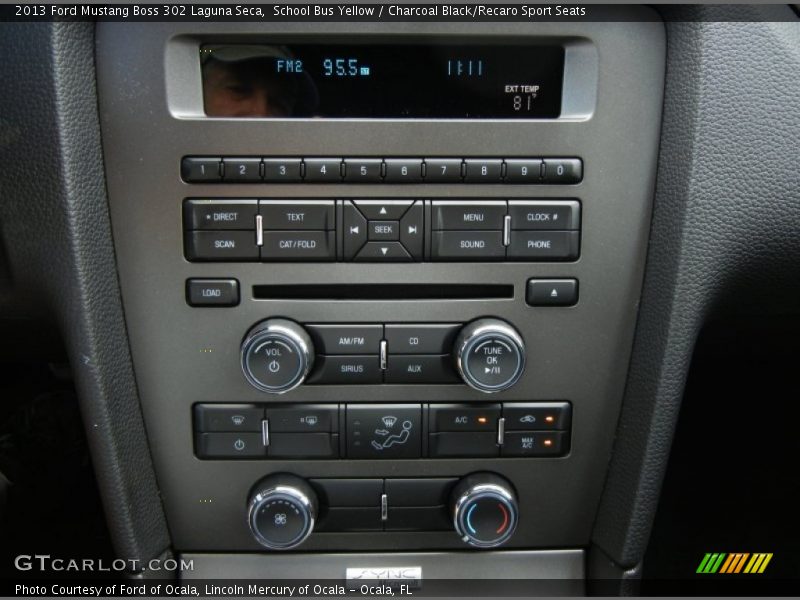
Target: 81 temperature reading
(524, 103)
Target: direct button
(486, 214)
(427, 338)
(297, 214)
(346, 339)
(462, 417)
(299, 245)
(219, 214)
(539, 214)
(420, 368)
(212, 292)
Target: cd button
(421, 339)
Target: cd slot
(390, 291)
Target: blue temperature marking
(469, 519)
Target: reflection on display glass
(382, 81)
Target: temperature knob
(490, 355)
(281, 511)
(277, 355)
(484, 510)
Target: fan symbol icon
(280, 519)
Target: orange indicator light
(548, 442)
(549, 418)
(483, 420)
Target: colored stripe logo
(732, 563)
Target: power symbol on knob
(276, 355)
(274, 366)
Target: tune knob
(484, 510)
(282, 510)
(490, 355)
(277, 355)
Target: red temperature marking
(505, 518)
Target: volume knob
(277, 355)
(490, 355)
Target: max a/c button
(212, 292)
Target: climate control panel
(382, 431)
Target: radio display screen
(397, 81)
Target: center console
(381, 290)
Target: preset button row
(210, 169)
